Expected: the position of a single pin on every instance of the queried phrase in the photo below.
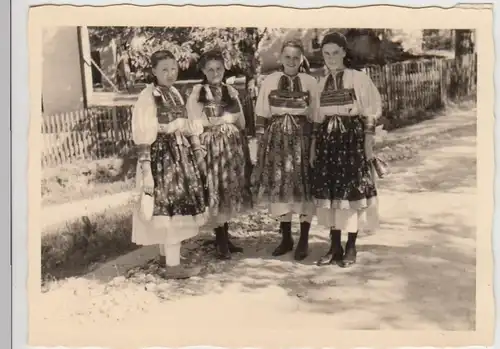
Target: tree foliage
(240, 46)
(370, 46)
(438, 39)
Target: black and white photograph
(263, 180)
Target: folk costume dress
(281, 176)
(343, 183)
(179, 201)
(227, 158)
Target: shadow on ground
(428, 279)
(416, 272)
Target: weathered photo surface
(244, 176)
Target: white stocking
(172, 254)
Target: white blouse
(144, 118)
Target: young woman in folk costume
(169, 172)
(218, 107)
(341, 152)
(287, 101)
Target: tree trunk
(464, 48)
(251, 89)
(463, 42)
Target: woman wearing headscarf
(286, 102)
(343, 183)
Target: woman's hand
(369, 141)
(312, 152)
(216, 121)
(252, 89)
(193, 127)
(230, 118)
(233, 93)
(147, 178)
(200, 160)
(226, 118)
(370, 126)
(171, 127)
(348, 110)
(179, 124)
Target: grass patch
(86, 179)
(74, 248)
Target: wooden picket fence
(407, 89)
(410, 88)
(93, 133)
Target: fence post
(116, 130)
(442, 82)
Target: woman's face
(166, 71)
(291, 57)
(214, 71)
(333, 55)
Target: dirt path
(415, 273)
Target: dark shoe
(180, 272)
(337, 257)
(286, 244)
(302, 250)
(335, 253)
(221, 244)
(350, 250)
(163, 261)
(326, 258)
(349, 256)
(232, 247)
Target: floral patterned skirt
(342, 177)
(178, 186)
(282, 172)
(228, 165)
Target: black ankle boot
(302, 249)
(286, 244)
(335, 253)
(221, 244)
(232, 248)
(350, 250)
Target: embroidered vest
(334, 93)
(169, 105)
(289, 94)
(217, 107)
